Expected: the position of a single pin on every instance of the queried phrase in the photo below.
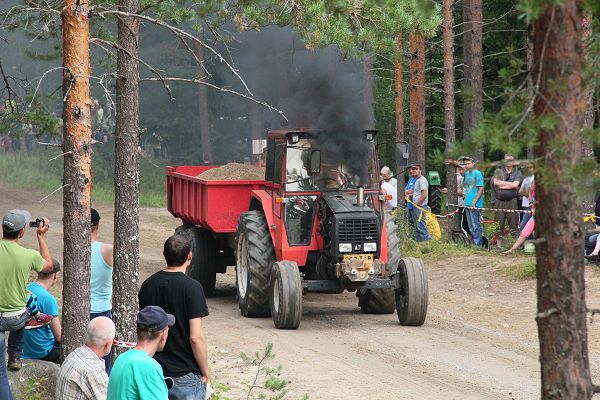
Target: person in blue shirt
(44, 343)
(101, 269)
(473, 184)
(408, 191)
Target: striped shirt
(82, 376)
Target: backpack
(508, 194)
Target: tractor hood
(341, 202)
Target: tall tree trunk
(369, 93)
(399, 108)
(561, 316)
(77, 138)
(447, 23)
(530, 87)
(587, 117)
(473, 68)
(127, 176)
(203, 113)
(417, 97)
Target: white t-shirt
(393, 182)
(388, 188)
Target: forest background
(269, 60)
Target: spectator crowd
(512, 201)
(169, 358)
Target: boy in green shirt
(136, 375)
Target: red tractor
(316, 223)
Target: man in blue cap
(136, 375)
(17, 262)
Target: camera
(39, 222)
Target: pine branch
(144, 63)
(177, 32)
(221, 89)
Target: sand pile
(234, 172)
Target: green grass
(34, 171)
(523, 268)
(435, 249)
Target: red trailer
(312, 224)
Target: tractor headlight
(370, 247)
(345, 247)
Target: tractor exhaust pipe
(360, 197)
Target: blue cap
(154, 318)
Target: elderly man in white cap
(16, 263)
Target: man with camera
(17, 262)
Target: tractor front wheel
(286, 295)
(254, 259)
(413, 295)
(383, 301)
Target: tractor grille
(357, 231)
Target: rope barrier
(118, 343)
(449, 215)
(493, 209)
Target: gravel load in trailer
(234, 172)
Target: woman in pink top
(529, 226)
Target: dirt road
(479, 340)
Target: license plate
(362, 257)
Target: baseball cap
(466, 158)
(415, 165)
(95, 216)
(15, 220)
(154, 318)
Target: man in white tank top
(101, 264)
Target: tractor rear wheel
(203, 267)
(285, 292)
(413, 295)
(383, 301)
(435, 199)
(254, 259)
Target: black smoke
(317, 89)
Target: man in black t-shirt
(505, 184)
(184, 357)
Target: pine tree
(77, 142)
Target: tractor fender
(262, 201)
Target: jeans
(420, 226)
(188, 387)
(5, 393)
(526, 217)
(13, 324)
(108, 358)
(54, 354)
(474, 220)
(16, 337)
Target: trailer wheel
(203, 267)
(413, 295)
(383, 301)
(254, 259)
(285, 295)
